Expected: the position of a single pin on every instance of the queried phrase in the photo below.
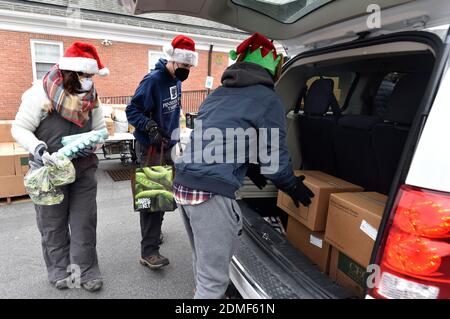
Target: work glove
(86, 152)
(300, 193)
(37, 155)
(156, 134)
(34, 165)
(50, 160)
(254, 173)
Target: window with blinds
(45, 54)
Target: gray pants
(213, 228)
(78, 212)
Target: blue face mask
(86, 84)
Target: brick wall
(127, 62)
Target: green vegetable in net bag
(40, 189)
(43, 183)
(63, 173)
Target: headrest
(319, 97)
(406, 98)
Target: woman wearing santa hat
(65, 102)
(154, 111)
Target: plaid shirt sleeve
(187, 196)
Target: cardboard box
(12, 186)
(322, 185)
(7, 160)
(310, 243)
(5, 132)
(21, 160)
(110, 126)
(353, 221)
(347, 273)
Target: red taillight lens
(423, 214)
(415, 255)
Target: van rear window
(342, 84)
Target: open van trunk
(369, 139)
(378, 85)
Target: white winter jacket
(33, 110)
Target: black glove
(155, 134)
(86, 152)
(300, 193)
(254, 173)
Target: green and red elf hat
(259, 50)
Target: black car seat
(316, 127)
(355, 155)
(390, 136)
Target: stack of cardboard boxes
(13, 164)
(338, 230)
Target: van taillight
(414, 256)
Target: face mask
(182, 74)
(86, 84)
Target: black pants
(68, 230)
(151, 223)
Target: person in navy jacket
(154, 111)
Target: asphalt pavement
(22, 268)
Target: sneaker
(155, 261)
(93, 285)
(62, 284)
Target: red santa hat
(181, 50)
(82, 57)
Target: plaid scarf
(71, 107)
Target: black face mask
(182, 74)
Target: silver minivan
(387, 62)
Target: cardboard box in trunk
(7, 160)
(310, 243)
(322, 185)
(21, 160)
(353, 221)
(12, 186)
(5, 132)
(347, 273)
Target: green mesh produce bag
(152, 186)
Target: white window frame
(33, 53)
(150, 52)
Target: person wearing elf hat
(65, 102)
(154, 111)
(205, 190)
